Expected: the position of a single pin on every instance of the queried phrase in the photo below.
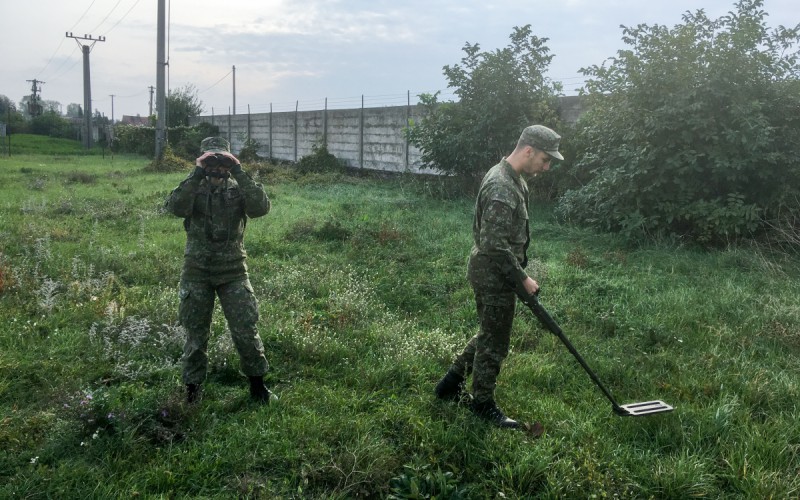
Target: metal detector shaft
(544, 317)
(626, 410)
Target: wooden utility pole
(234, 90)
(87, 86)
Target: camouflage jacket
(500, 231)
(215, 219)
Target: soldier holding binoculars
(216, 201)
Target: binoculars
(219, 160)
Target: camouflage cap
(215, 145)
(541, 137)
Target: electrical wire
(62, 41)
(123, 17)
(104, 19)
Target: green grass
(26, 144)
(364, 303)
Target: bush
(320, 160)
(249, 152)
(52, 125)
(692, 132)
(169, 162)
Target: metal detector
(628, 410)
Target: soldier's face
(538, 161)
(215, 180)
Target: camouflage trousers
(485, 352)
(241, 311)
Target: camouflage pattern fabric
(214, 265)
(215, 219)
(484, 354)
(241, 310)
(497, 260)
(500, 234)
(215, 145)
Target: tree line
(182, 103)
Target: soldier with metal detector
(496, 266)
(216, 201)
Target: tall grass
(364, 302)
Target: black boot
(451, 388)
(259, 391)
(490, 412)
(192, 393)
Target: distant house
(136, 121)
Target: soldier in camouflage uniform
(496, 268)
(215, 202)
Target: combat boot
(451, 388)
(259, 391)
(192, 393)
(489, 411)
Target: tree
(500, 93)
(9, 114)
(74, 110)
(52, 124)
(693, 131)
(49, 106)
(182, 104)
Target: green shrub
(694, 131)
(169, 162)
(249, 152)
(320, 160)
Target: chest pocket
(220, 215)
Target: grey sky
(285, 51)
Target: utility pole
(151, 100)
(161, 67)
(87, 86)
(234, 89)
(34, 108)
(112, 108)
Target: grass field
(364, 303)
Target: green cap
(215, 145)
(543, 138)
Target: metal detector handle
(548, 322)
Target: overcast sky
(286, 51)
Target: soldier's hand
(199, 162)
(531, 286)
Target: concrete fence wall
(368, 138)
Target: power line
(216, 83)
(104, 19)
(123, 17)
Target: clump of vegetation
(169, 162)
(319, 161)
(81, 178)
(693, 131)
(249, 152)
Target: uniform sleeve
(180, 201)
(495, 233)
(255, 198)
